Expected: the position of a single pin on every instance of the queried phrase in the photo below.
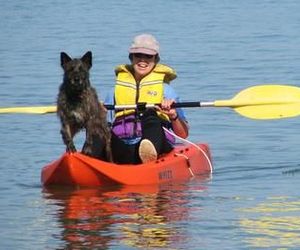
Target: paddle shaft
(52, 109)
(175, 105)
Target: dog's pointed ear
(87, 59)
(64, 58)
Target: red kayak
(76, 169)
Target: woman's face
(142, 65)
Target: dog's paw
(87, 151)
(71, 148)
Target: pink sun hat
(145, 44)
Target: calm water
(219, 48)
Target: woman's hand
(166, 108)
(180, 127)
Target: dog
(78, 108)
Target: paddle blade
(266, 102)
(29, 110)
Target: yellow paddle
(257, 102)
(265, 102)
(29, 110)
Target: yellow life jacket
(149, 90)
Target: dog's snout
(77, 78)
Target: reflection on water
(268, 225)
(131, 216)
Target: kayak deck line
(208, 158)
(188, 163)
(77, 169)
(205, 154)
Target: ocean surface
(219, 48)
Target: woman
(138, 134)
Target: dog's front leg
(67, 136)
(87, 148)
